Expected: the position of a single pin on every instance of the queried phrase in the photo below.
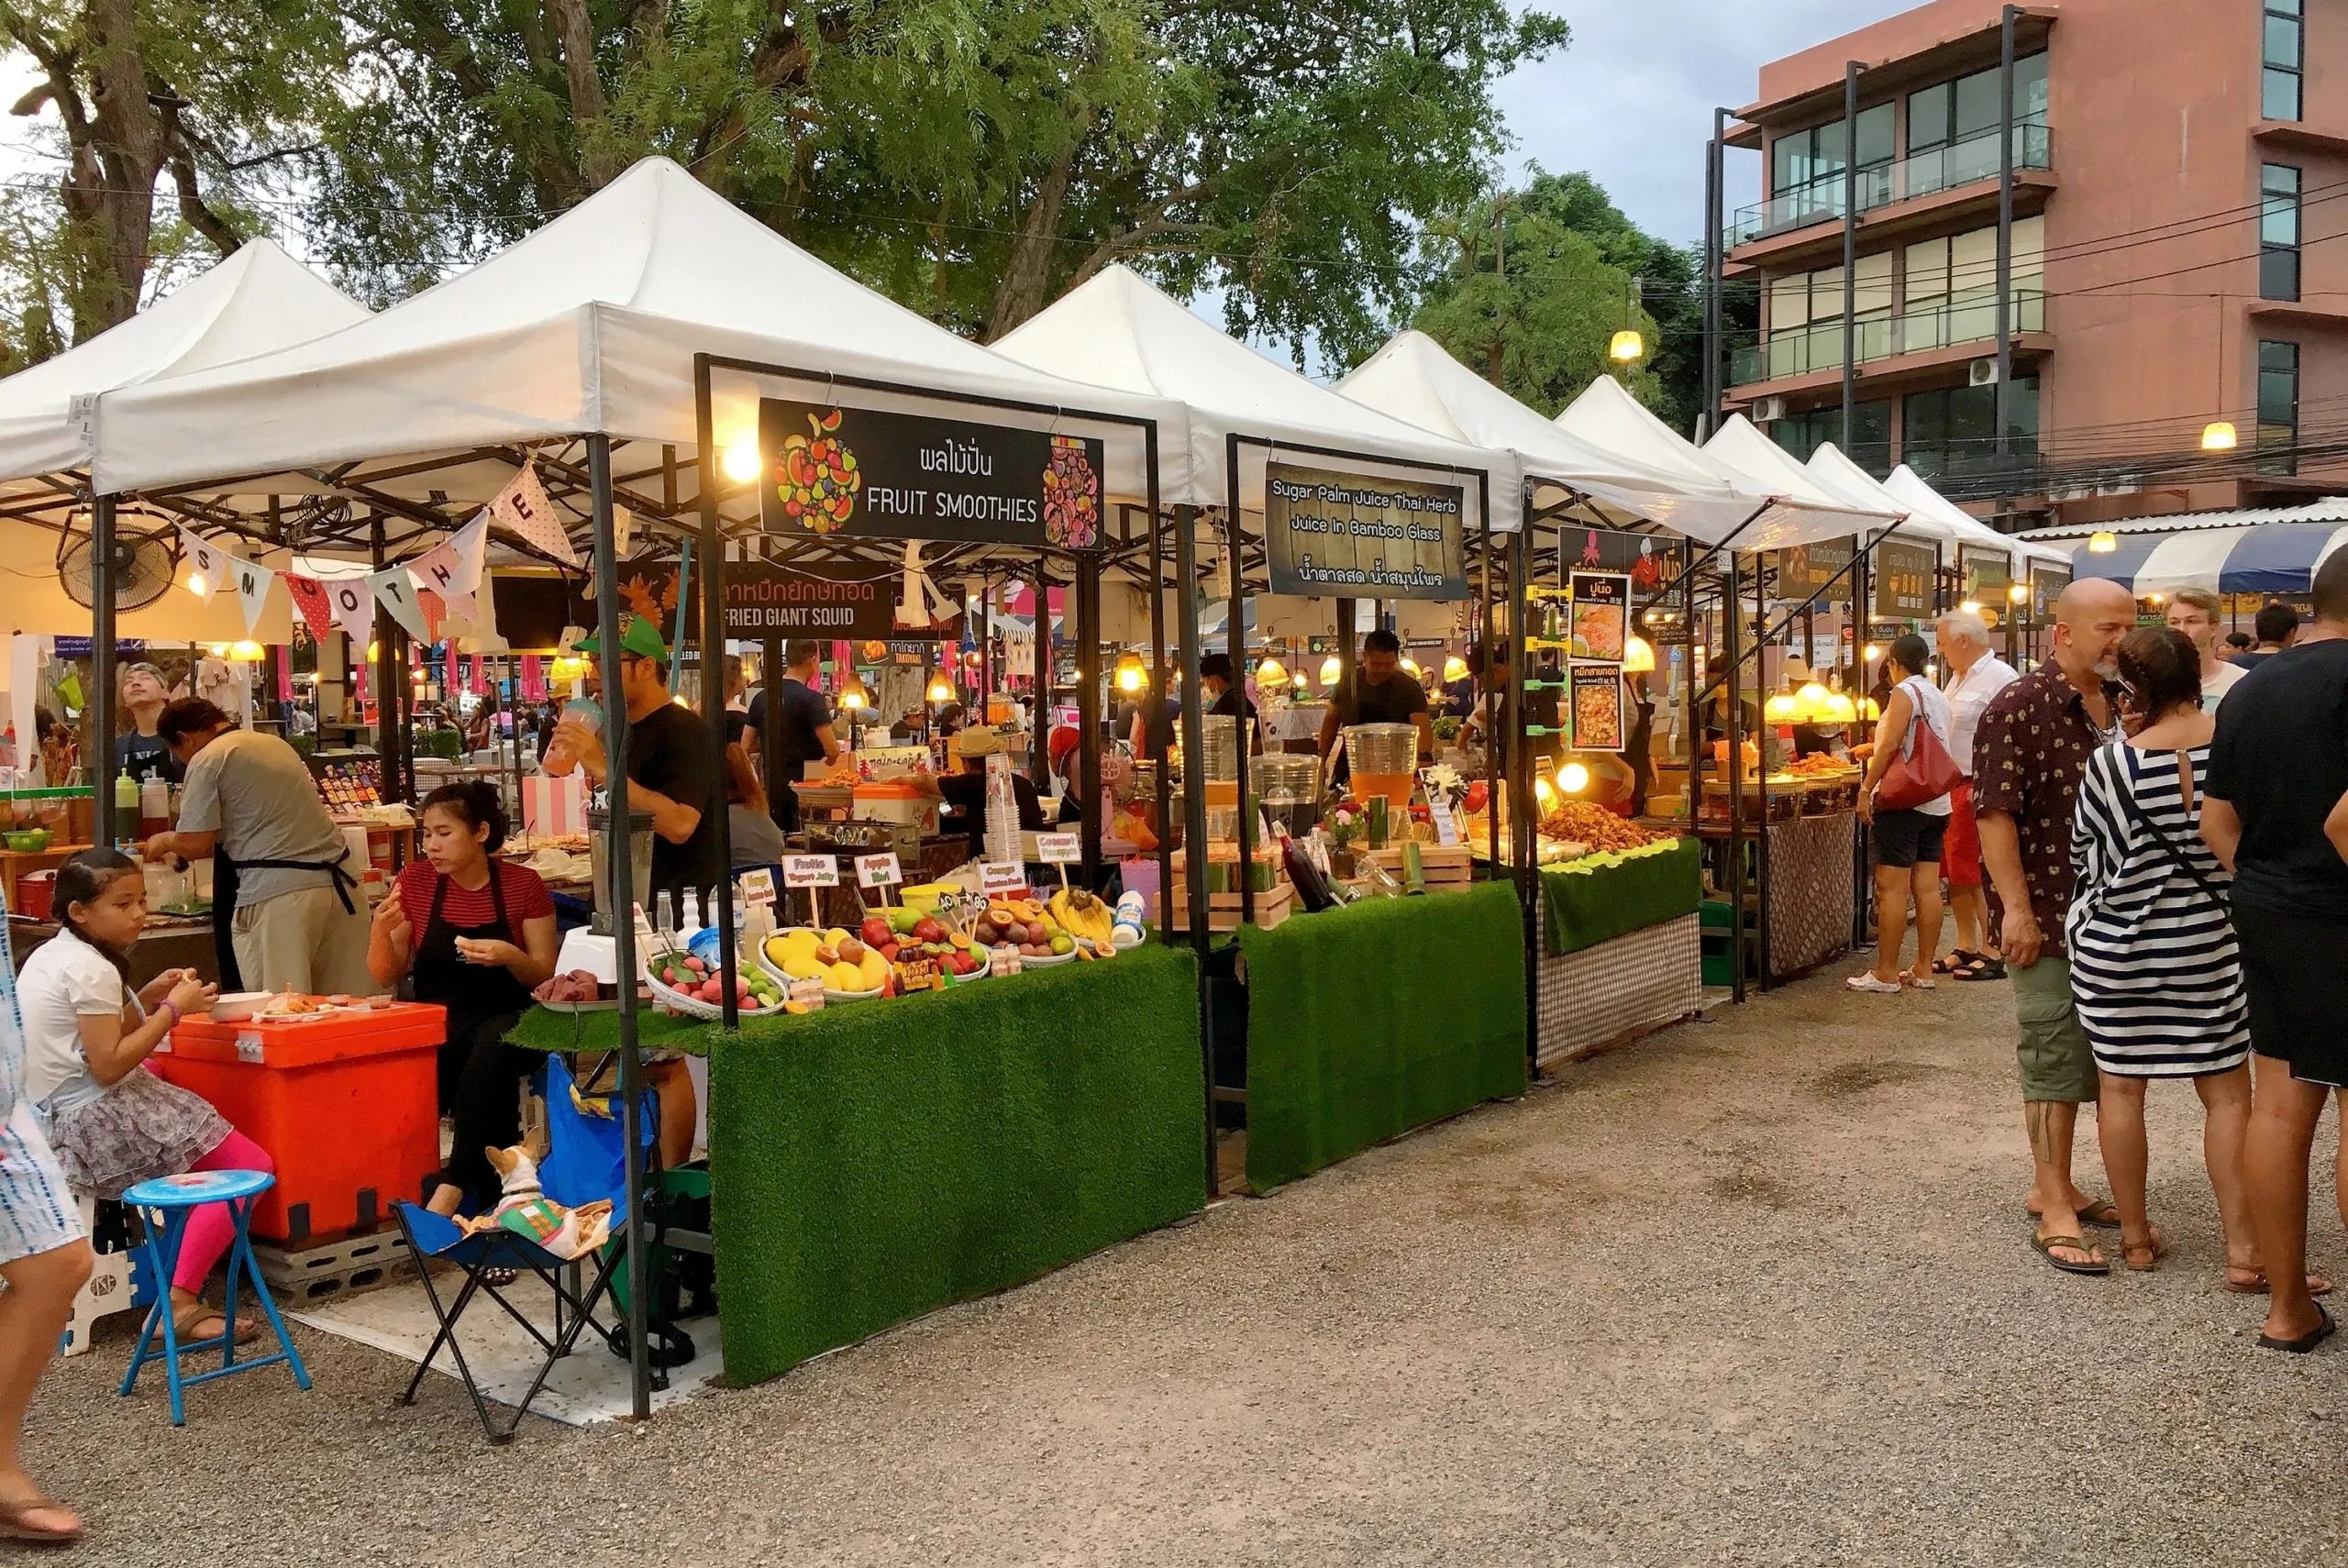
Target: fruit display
(1581, 823)
(697, 979)
(1026, 925)
(1081, 914)
(846, 965)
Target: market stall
(644, 342)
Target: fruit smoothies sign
(1333, 535)
(905, 476)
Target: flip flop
(2099, 1212)
(2307, 1341)
(184, 1325)
(14, 1528)
(2045, 1246)
(2317, 1283)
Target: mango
(845, 978)
(874, 969)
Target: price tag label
(994, 877)
(879, 870)
(1059, 848)
(1446, 826)
(758, 887)
(811, 871)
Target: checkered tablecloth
(1618, 990)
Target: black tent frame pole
(713, 689)
(1524, 867)
(1732, 651)
(623, 897)
(1039, 742)
(1162, 782)
(102, 692)
(1083, 617)
(1235, 636)
(1194, 814)
(771, 657)
(1768, 734)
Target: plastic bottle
(125, 808)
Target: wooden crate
(1272, 906)
(1447, 868)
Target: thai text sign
(1358, 535)
(1904, 580)
(902, 476)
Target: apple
(875, 932)
(928, 930)
(889, 950)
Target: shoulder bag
(1924, 774)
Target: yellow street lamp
(1329, 670)
(2102, 542)
(1133, 676)
(2017, 592)
(1454, 669)
(2219, 435)
(1627, 346)
(940, 690)
(1270, 674)
(1638, 655)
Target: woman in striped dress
(45, 1259)
(2154, 966)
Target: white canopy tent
(1414, 379)
(588, 325)
(1814, 512)
(1844, 478)
(1116, 330)
(251, 302)
(1910, 488)
(1778, 515)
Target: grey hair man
(1976, 675)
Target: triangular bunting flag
(523, 507)
(252, 589)
(623, 529)
(472, 546)
(395, 593)
(310, 598)
(460, 610)
(354, 607)
(206, 565)
(434, 610)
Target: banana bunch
(1081, 914)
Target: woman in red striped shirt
(487, 939)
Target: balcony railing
(1969, 317)
(1920, 174)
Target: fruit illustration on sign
(1071, 496)
(816, 476)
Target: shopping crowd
(2147, 836)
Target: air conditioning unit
(1982, 373)
(1767, 409)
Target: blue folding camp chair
(584, 1164)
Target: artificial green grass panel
(876, 1161)
(544, 1029)
(1367, 1021)
(1601, 897)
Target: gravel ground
(1755, 1291)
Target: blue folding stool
(162, 1205)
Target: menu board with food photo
(1597, 692)
(1601, 623)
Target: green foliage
(448, 745)
(1529, 286)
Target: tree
(1529, 286)
(215, 94)
(973, 158)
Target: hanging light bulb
(1627, 346)
(1782, 709)
(218, 650)
(1574, 776)
(1271, 673)
(1812, 698)
(852, 693)
(1841, 710)
(940, 689)
(1544, 792)
(1971, 607)
(2219, 435)
(1454, 669)
(375, 650)
(2102, 542)
(1410, 667)
(1133, 676)
(1329, 671)
(247, 651)
(195, 583)
(743, 461)
(2016, 592)
(1638, 655)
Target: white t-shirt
(1969, 698)
(2215, 687)
(64, 980)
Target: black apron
(482, 1002)
(224, 901)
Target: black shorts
(1903, 839)
(2291, 973)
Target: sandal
(14, 1528)
(2045, 1246)
(2260, 1286)
(1956, 959)
(1866, 981)
(1983, 968)
(2153, 1250)
(2099, 1212)
(2307, 1341)
(184, 1325)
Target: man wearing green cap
(671, 763)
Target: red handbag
(1925, 774)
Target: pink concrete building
(2178, 170)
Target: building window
(1951, 112)
(1805, 158)
(1952, 432)
(2286, 57)
(2278, 406)
(1802, 434)
(2278, 232)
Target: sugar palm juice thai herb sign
(902, 476)
(1332, 535)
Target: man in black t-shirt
(1386, 696)
(804, 720)
(1225, 697)
(2278, 625)
(672, 769)
(964, 791)
(2277, 813)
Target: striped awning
(2268, 557)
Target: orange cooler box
(348, 1108)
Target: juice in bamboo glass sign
(1330, 534)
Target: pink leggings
(209, 1229)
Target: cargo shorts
(2051, 1048)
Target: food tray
(676, 1001)
(1049, 961)
(611, 1006)
(831, 996)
